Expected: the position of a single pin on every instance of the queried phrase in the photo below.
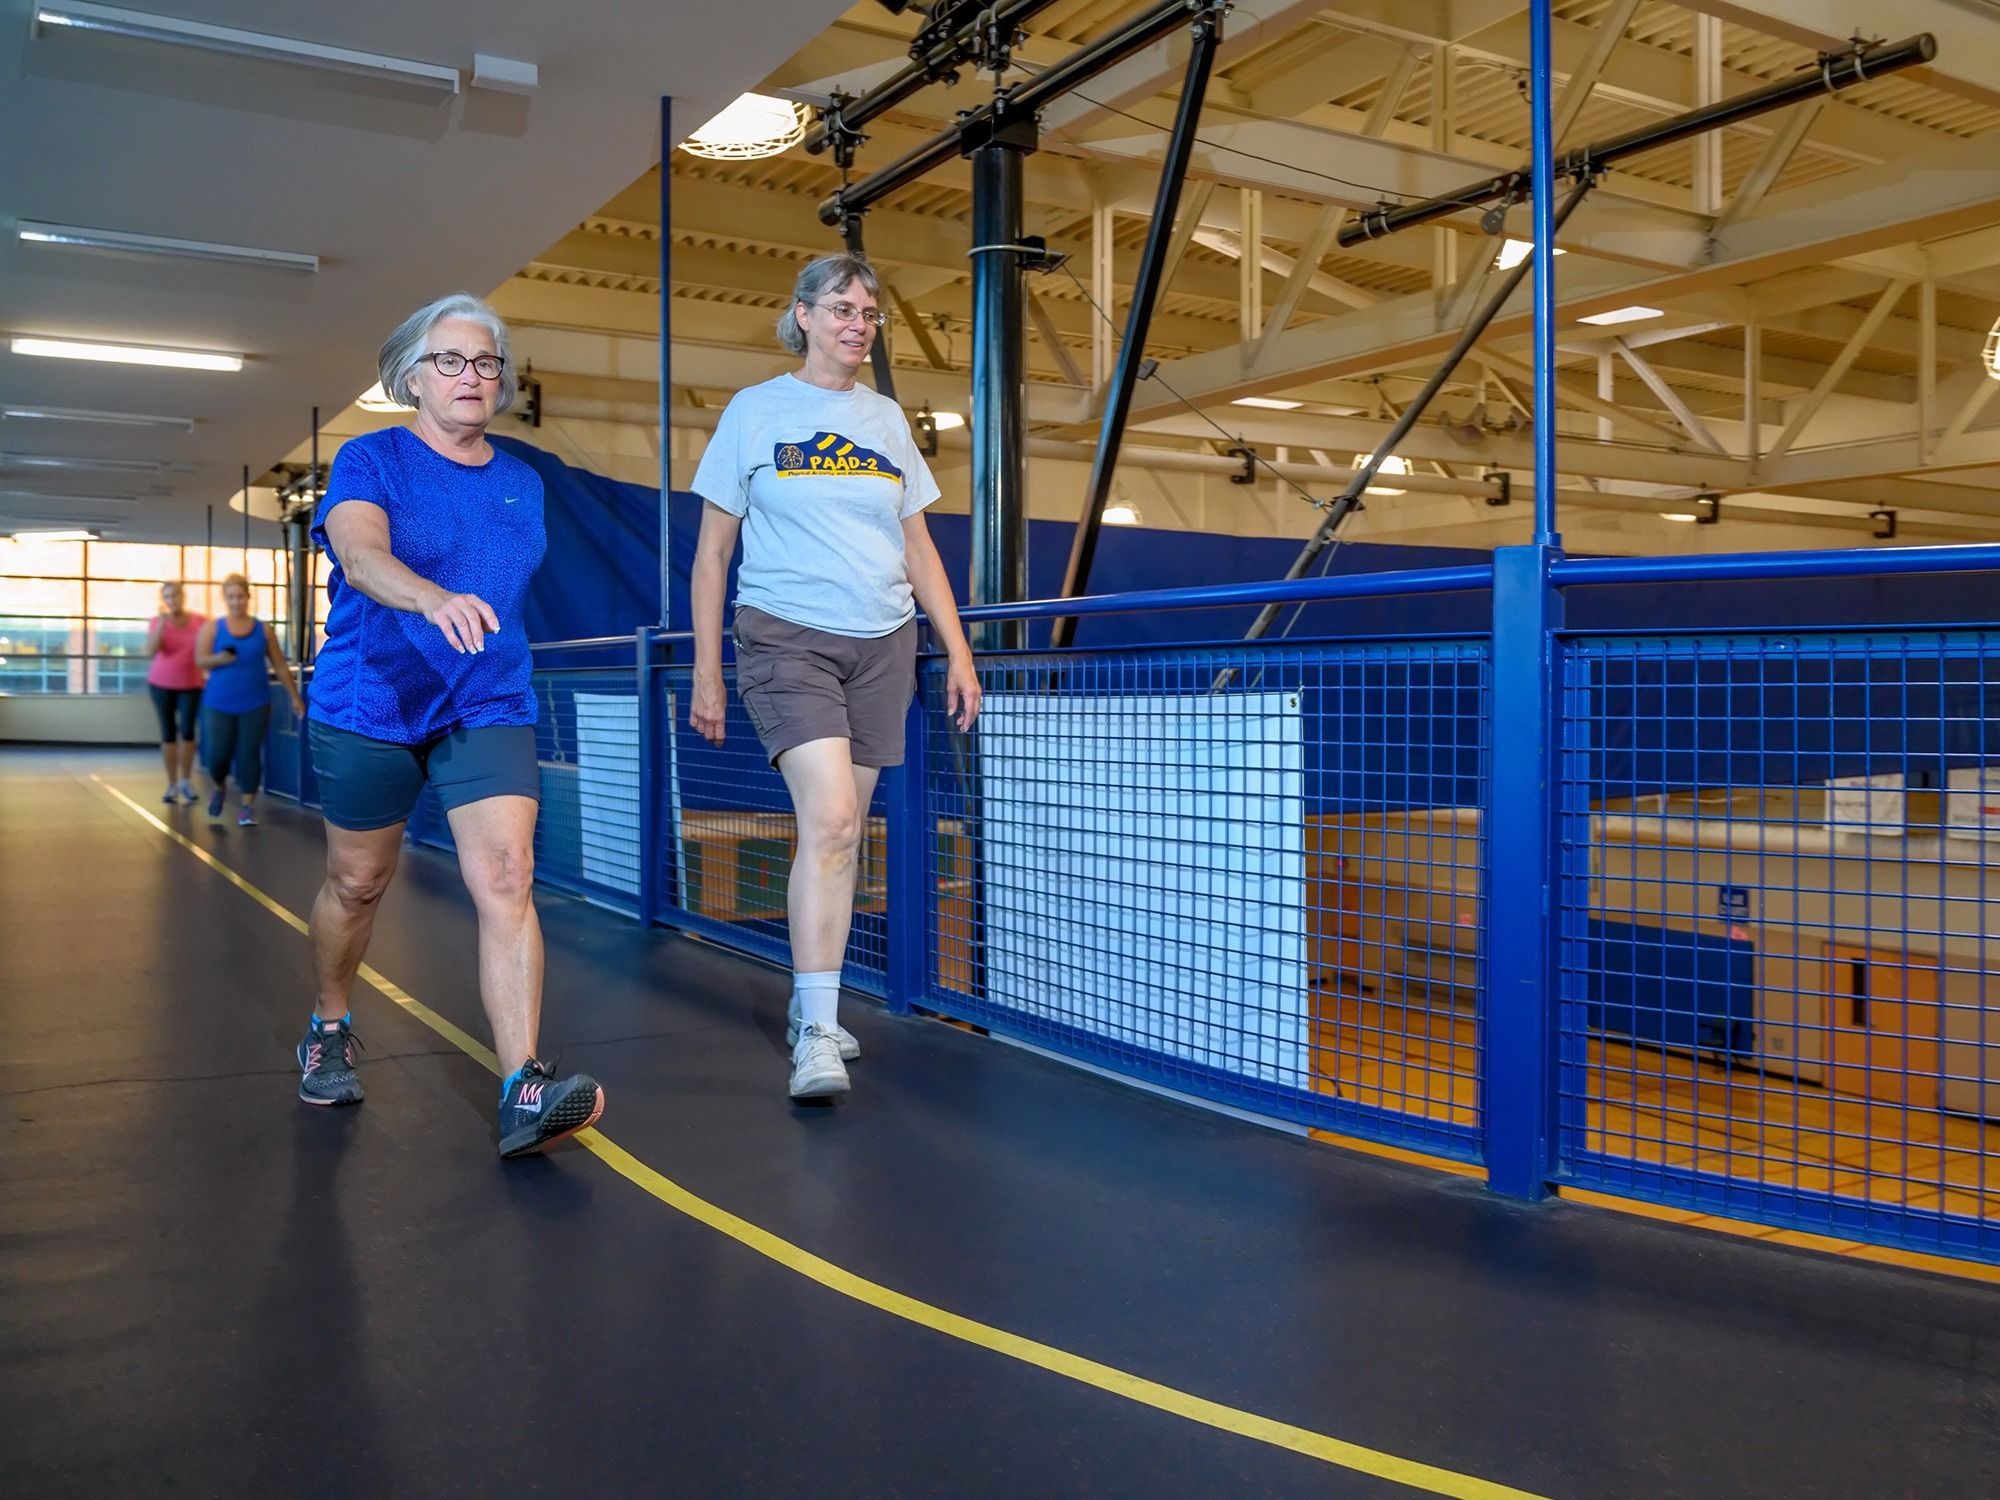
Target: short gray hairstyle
(404, 349)
(829, 273)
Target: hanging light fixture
(1392, 465)
(755, 125)
(1992, 355)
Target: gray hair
(829, 273)
(404, 349)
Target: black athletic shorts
(366, 783)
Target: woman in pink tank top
(175, 683)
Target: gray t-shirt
(824, 481)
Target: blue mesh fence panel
(1777, 930)
(1250, 874)
(728, 837)
(283, 748)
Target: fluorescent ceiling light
(1268, 403)
(13, 500)
(126, 354)
(1513, 252)
(377, 399)
(35, 535)
(1678, 515)
(72, 237)
(1121, 513)
(111, 20)
(106, 418)
(946, 420)
(506, 75)
(1622, 315)
(94, 465)
(1394, 464)
(756, 125)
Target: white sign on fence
(607, 788)
(1866, 804)
(1143, 864)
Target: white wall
(79, 718)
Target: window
(74, 615)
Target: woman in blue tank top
(239, 653)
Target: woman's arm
(283, 668)
(205, 655)
(359, 531)
(708, 581)
(933, 590)
(156, 635)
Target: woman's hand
(465, 619)
(709, 706)
(298, 705)
(961, 691)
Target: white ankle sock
(819, 998)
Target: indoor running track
(207, 1289)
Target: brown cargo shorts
(802, 684)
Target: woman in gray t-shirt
(820, 476)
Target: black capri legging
(237, 738)
(175, 704)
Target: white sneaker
(850, 1049)
(817, 1071)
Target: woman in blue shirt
(433, 535)
(239, 653)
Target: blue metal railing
(1699, 916)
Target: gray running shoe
(326, 1061)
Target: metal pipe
(1232, 595)
(1020, 103)
(850, 115)
(1344, 503)
(1146, 288)
(999, 358)
(1542, 188)
(1833, 74)
(878, 354)
(1577, 572)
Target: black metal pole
(1344, 503)
(1020, 103)
(1836, 71)
(878, 357)
(937, 64)
(1146, 289)
(999, 502)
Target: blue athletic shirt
(390, 674)
(244, 684)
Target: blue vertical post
(651, 845)
(1524, 891)
(1542, 181)
(666, 359)
(912, 887)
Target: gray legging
(237, 738)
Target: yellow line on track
(1332, 1450)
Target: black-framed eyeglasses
(450, 363)
(847, 312)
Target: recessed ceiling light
(94, 465)
(1268, 403)
(377, 399)
(1622, 315)
(104, 418)
(1513, 252)
(1678, 515)
(74, 237)
(126, 354)
(111, 20)
(1395, 463)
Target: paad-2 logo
(831, 454)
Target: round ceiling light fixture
(1391, 466)
(755, 125)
